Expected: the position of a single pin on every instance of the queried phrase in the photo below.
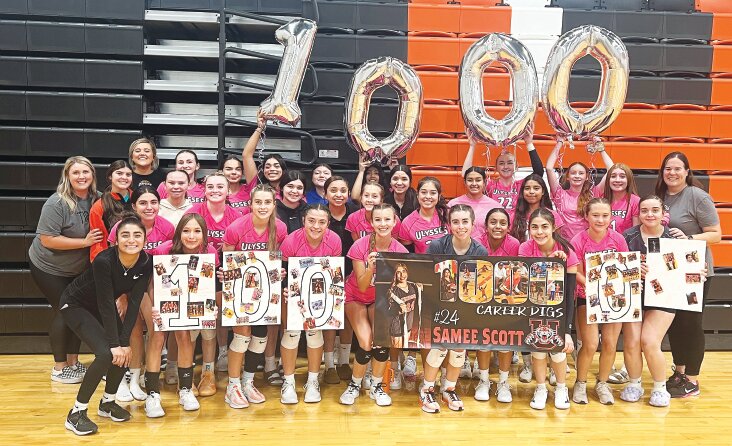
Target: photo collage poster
(252, 288)
(674, 273)
(185, 291)
(613, 287)
(316, 296)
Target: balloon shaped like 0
(610, 51)
(373, 74)
(497, 47)
(297, 37)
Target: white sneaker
(396, 380)
(235, 397)
(123, 391)
(154, 406)
(579, 393)
(312, 392)
(561, 398)
(429, 401)
(136, 391)
(604, 394)
(353, 391)
(452, 399)
(631, 394)
(466, 371)
(538, 402)
(68, 375)
(483, 391)
(251, 393)
(288, 394)
(222, 362)
(526, 374)
(660, 398)
(171, 375)
(503, 392)
(377, 394)
(188, 400)
(552, 377)
(476, 370)
(367, 379)
(410, 367)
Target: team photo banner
(252, 288)
(463, 302)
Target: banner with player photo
(316, 294)
(613, 287)
(462, 302)
(185, 292)
(674, 273)
(252, 288)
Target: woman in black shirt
(88, 308)
(291, 207)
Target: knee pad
(457, 359)
(194, 335)
(258, 344)
(538, 355)
(381, 354)
(240, 343)
(435, 357)
(558, 357)
(290, 339)
(208, 334)
(363, 357)
(314, 338)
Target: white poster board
(674, 279)
(316, 295)
(613, 287)
(252, 288)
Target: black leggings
(253, 360)
(63, 340)
(686, 336)
(89, 328)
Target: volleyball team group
(92, 259)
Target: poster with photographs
(674, 274)
(316, 298)
(185, 291)
(612, 287)
(252, 288)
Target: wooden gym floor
(33, 411)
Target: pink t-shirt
(509, 247)
(242, 199)
(242, 235)
(296, 245)
(165, 247)
(360, 251)
(583, 245)
(566, 203)
(216, 229)
(421, 232)
(505, 195)
(197, 193)
(481, 207)
(358, 223)
(531, 249)
(162, 231)
(622, 211)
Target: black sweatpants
(686, 336)
(89, 328)
(63, 340)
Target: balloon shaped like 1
(511, 53)
(297, 37)
(610, 51)
(373, 74)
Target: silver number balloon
(516, 57)
(297, 37)
(610, 51)
(373, 74)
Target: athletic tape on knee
(381, 354)
(290, 339)
(538, 355)
(240, 343)
(208, 334)
(314, 338)
(258, 344)
(435, 357)
(194, 335)
(457, 359)
(558, 357)
(363, 357)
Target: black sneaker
(112, 410)
(685, 389)
(79, 423)
(674, 380)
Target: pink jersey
(509, 247)
(566, 203)
(531, 249)
(583, 245)
(165, 247)
(243, 237)
(421, 232)
(622, 210)
(506, 195)
(162, 231)
(216, 229)
(197, 193)
(296, 245)
(481, 207)
(358, 223)
(360, 251)
(242, 199)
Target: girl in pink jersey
(187, 161)
(314, 239)
(400, 193)
(239, 194)
(359, 223)
(429, 222)
(259, 230)
(360, 297)
(475, 197)
(273, 167)
(546, 241)
(146, 204)
(597, 238)
(534, 195)
(496, 239)
(620, 189)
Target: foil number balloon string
(374, 74)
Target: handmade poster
(461, 302)
(185, 291)
(674, 274)
(316, 297)
(252, 288)
(613, 287)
